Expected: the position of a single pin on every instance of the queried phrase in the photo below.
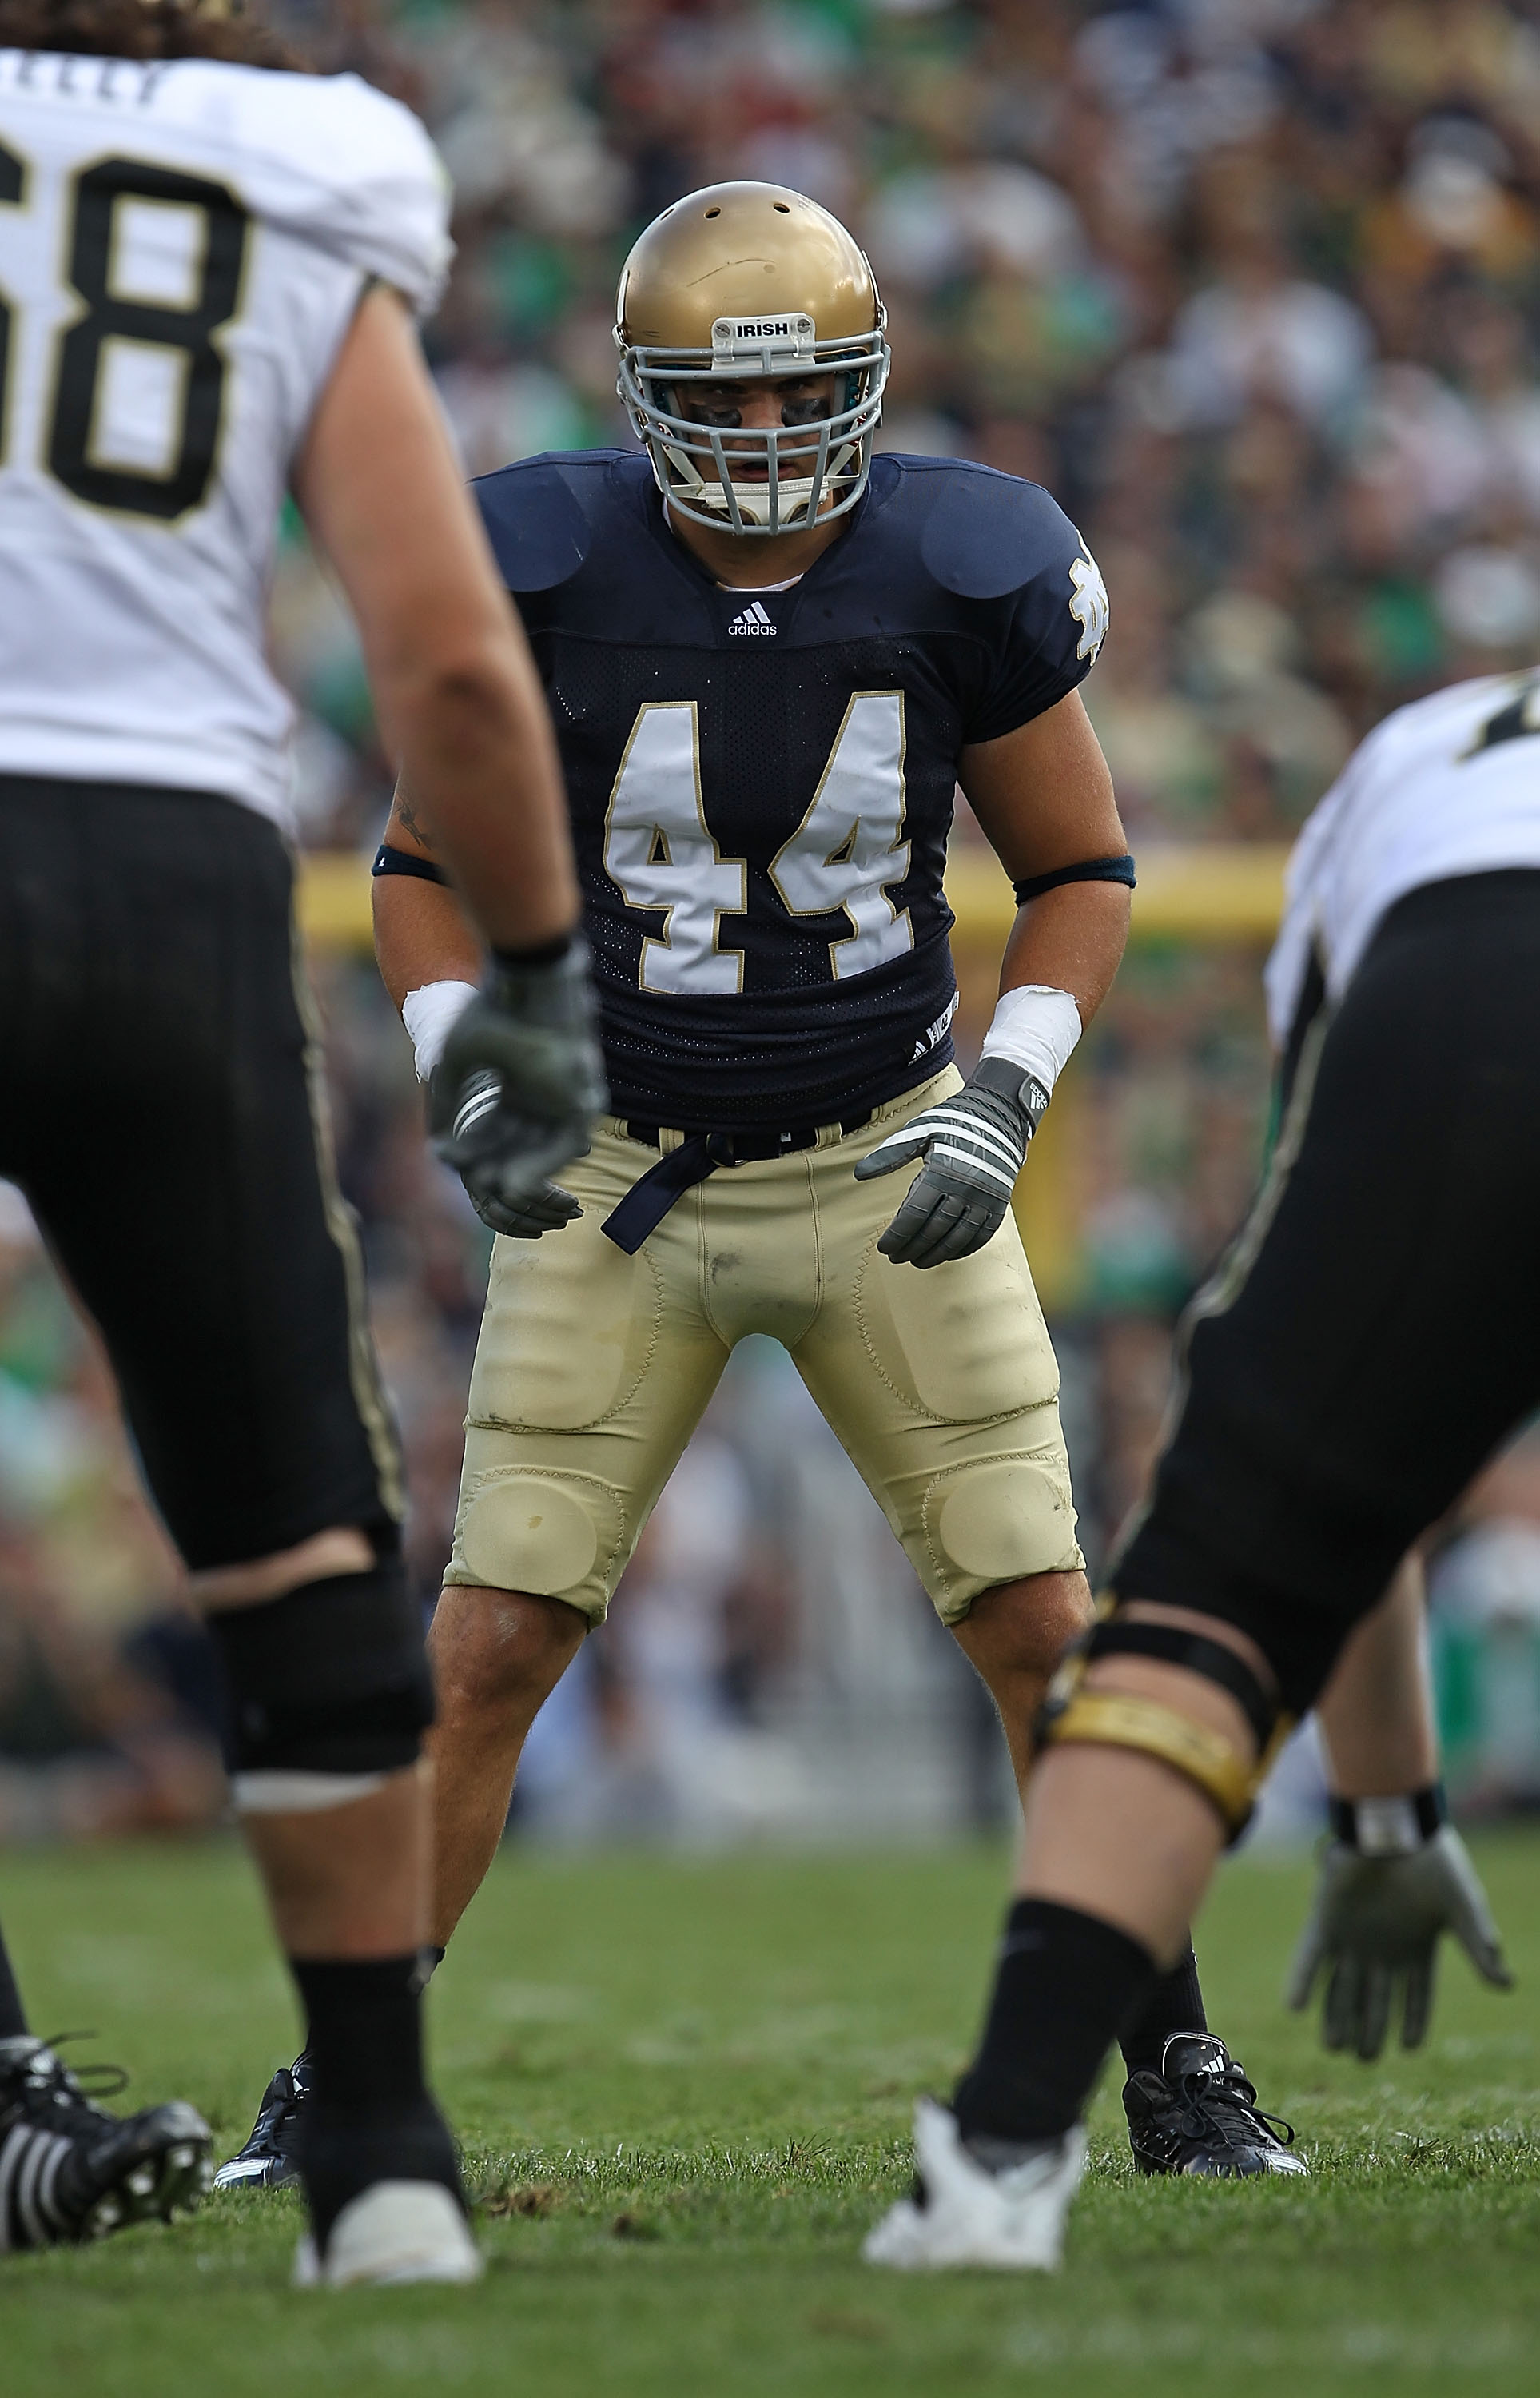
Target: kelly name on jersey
(761, 782)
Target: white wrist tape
(1035, 1028)
(1388, 1828)
(428, 1014)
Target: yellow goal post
(1205, 891)
(1198, 892)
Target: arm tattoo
(413, 822)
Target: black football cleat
(1200, 2115)
(72, 2172)
(267, 2160)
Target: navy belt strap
(700, 1154)
(648, 1200)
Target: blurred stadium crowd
(1253, 285)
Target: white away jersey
(1448, 786)
(182, 248)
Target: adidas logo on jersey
(755, 619)
(933, 1031)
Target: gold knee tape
(1117, 1720)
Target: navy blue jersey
(761, 783)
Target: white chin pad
(793, 502)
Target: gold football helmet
(741, 281)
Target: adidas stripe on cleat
(267, 2160)
(1199, 2115)
(72, 2172)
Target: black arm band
(1117, 1638)
(402, 861)
(1090, 869)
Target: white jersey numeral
(848, 847)
(851, 842)
(656, 848)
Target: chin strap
(1122, 1719)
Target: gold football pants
(593, 1369)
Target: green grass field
(684, 2089)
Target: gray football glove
(517, 1088)
(543, 1209)
(1373, 1926)
(973, 1145)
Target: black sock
(1174, 2004)
(1065, 1983)
(371, 2117)
(13, 2014)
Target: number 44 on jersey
(848, 848)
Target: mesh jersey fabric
(731, 772)
(186, 247)
(1373, 1333)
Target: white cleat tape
(391, 2233)
(1012, 2220)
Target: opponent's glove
(1373, 1926)
(973, 1145)
(515, 1090)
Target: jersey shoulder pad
(331, 161)
(539, 515)
(986, 535)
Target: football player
(1367, 1341)
(770, 660)
(211, 264)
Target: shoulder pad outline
(537, 517)
(986, 535)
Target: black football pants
(161, 1107)
(1374, 1333)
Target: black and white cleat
(70, 2171)
(267, 2160)
(1199, 2115)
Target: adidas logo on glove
(755, 619)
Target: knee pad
(555, 1533)
(328, 1689)
(997, 1519)
(1120, 1719)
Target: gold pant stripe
(1219, 1294)
(369, 1395)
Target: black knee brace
(1302, 1635)
(330, 1679)
(1119, 1719)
